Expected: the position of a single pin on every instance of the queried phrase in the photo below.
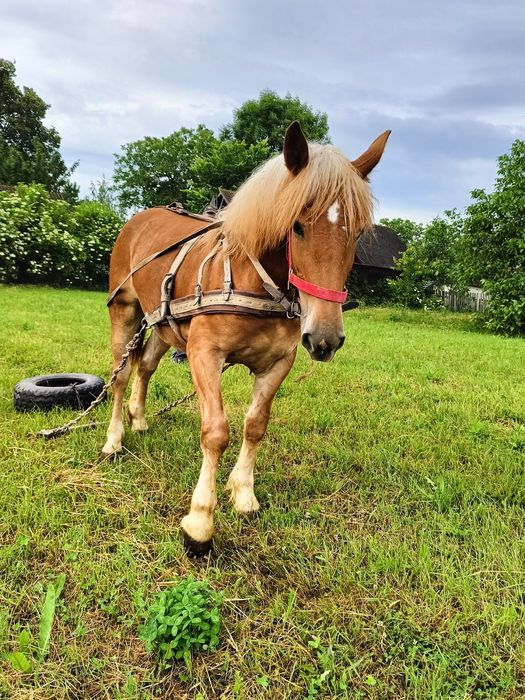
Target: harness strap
(153, 256)
(168, 282)
(176, 331)
(291, 307)
(315, 291)
(213, 302)
(310, 288)
(227, 289)
(198, 287)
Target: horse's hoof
(194, 548)
(109, 456)
(250, 515)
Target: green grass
(389, 557)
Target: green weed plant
(31, 652)
(183, 620)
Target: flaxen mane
(267, 204)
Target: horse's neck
(276, 265)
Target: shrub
(96, 227)
(494, 245)
(430, 260)
(44, 240)
(182, 620)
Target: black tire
(51, 390)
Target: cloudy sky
(447, 76)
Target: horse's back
(146, 233)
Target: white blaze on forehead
(333, 213)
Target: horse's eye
(298, 228)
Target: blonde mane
(265, 207)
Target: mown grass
(389, 558)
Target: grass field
(389, 557)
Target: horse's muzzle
(321, 347)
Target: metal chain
(184, 398)
(174, 404)
(49, 434)
(132, 345)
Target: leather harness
(173, 311)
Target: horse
(295, 221)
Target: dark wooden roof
(227, 194)
(379, 248)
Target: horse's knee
(121, 382)
(215, 435)
(255, 428)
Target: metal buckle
(295, 310)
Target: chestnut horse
(299, 215)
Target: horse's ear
(371, 157)
(295, 149)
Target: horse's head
(322, 240)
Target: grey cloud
(446, 77)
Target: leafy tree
(406, 229)
(188, 166)
(29, 150)
(226, 164)
(432, 259)
(493, 250)
(267, 118)
(104, 192)
(155, 171)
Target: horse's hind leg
(153, 351)
(125, 322)
(265, 387)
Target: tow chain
(133, 344)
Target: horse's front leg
(241, 478)
(206, 369)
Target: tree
(431, 259)
(188, 166)
(406, 229)
(268, 117)
(104, 192)
(29, 150)
(155, 171)
(493, 250)
(226, 164)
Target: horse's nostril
(307, 342)
(341, 342)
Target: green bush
(494, 243)
(182, 620)
(431, 259)
(368, 292)
(506, 310)
(96, 227)
(44, 240)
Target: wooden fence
(472, 300)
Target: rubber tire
(49, 391)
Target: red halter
(309, 287)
